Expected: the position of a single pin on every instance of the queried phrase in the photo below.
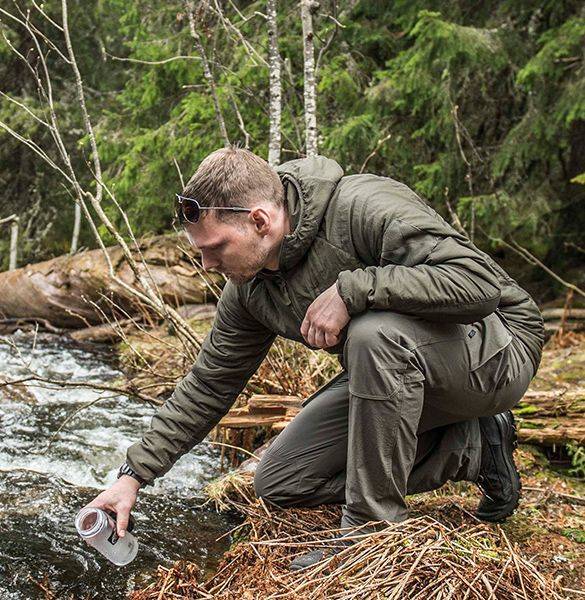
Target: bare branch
(207, 72)
(240, 122)
(126, 391)
(375, 151)
(330, 39)
(528, 256)
(230, 27)
(81, 97)
(53, 23)
(163, 61)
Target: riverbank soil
(442, 551)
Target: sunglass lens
(191, 211)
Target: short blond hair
(234, 176)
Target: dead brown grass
(441, 552)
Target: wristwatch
(126, 469)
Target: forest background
(478, 106)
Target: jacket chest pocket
(325, 262)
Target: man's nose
(208, 263)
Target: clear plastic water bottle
(98, 529)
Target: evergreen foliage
(477, 106)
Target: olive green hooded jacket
(386, 250)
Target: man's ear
(260, 219)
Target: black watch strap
(126, 469)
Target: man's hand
(120, 498)
(325, 319)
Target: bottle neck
(91, 521)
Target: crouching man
(436, 341)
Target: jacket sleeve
(415, 263)
(229, 356)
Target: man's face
(232, 247)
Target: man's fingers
(123, 514)
(310, 336)
(305, 327)
(330, 340)
(98, 502)
(320, 338)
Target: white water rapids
(47, 474)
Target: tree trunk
(63, 290)
(307, 9)
(76, 228)
(14, 221)
(13, 243)
(275, 86)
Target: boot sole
(507, 427)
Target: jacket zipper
(288, 298)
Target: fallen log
(262, 411)
(547, 418)
(549, 314)
(272, 404)
(547, 432)
(551, 327)
(61, 290)
(241, 427)
(10, 325)
(552, 417)
(248, 421)
(108, 332)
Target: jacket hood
(308, 186)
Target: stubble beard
(249, 270)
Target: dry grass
(441, 552)
(442, 555)
(153, 359)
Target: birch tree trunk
(14, 221)
(275, 86)
(13, 243)
(207, 73)
(307, 9)
(76, 228)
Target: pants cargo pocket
(487, 343)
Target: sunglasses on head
(189, 210)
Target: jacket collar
(308, 185)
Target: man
(436, 341)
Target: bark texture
(62, 290)
(307, 9)
(275, 85)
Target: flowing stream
(55, 458)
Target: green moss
(200, 326)
(529, 409)
(575, 535)
(524, 525)
(529, 425)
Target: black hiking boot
(310, 559)
(498, 478)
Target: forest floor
(442, 551)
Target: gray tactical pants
(401, 418)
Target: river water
(50, 468)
